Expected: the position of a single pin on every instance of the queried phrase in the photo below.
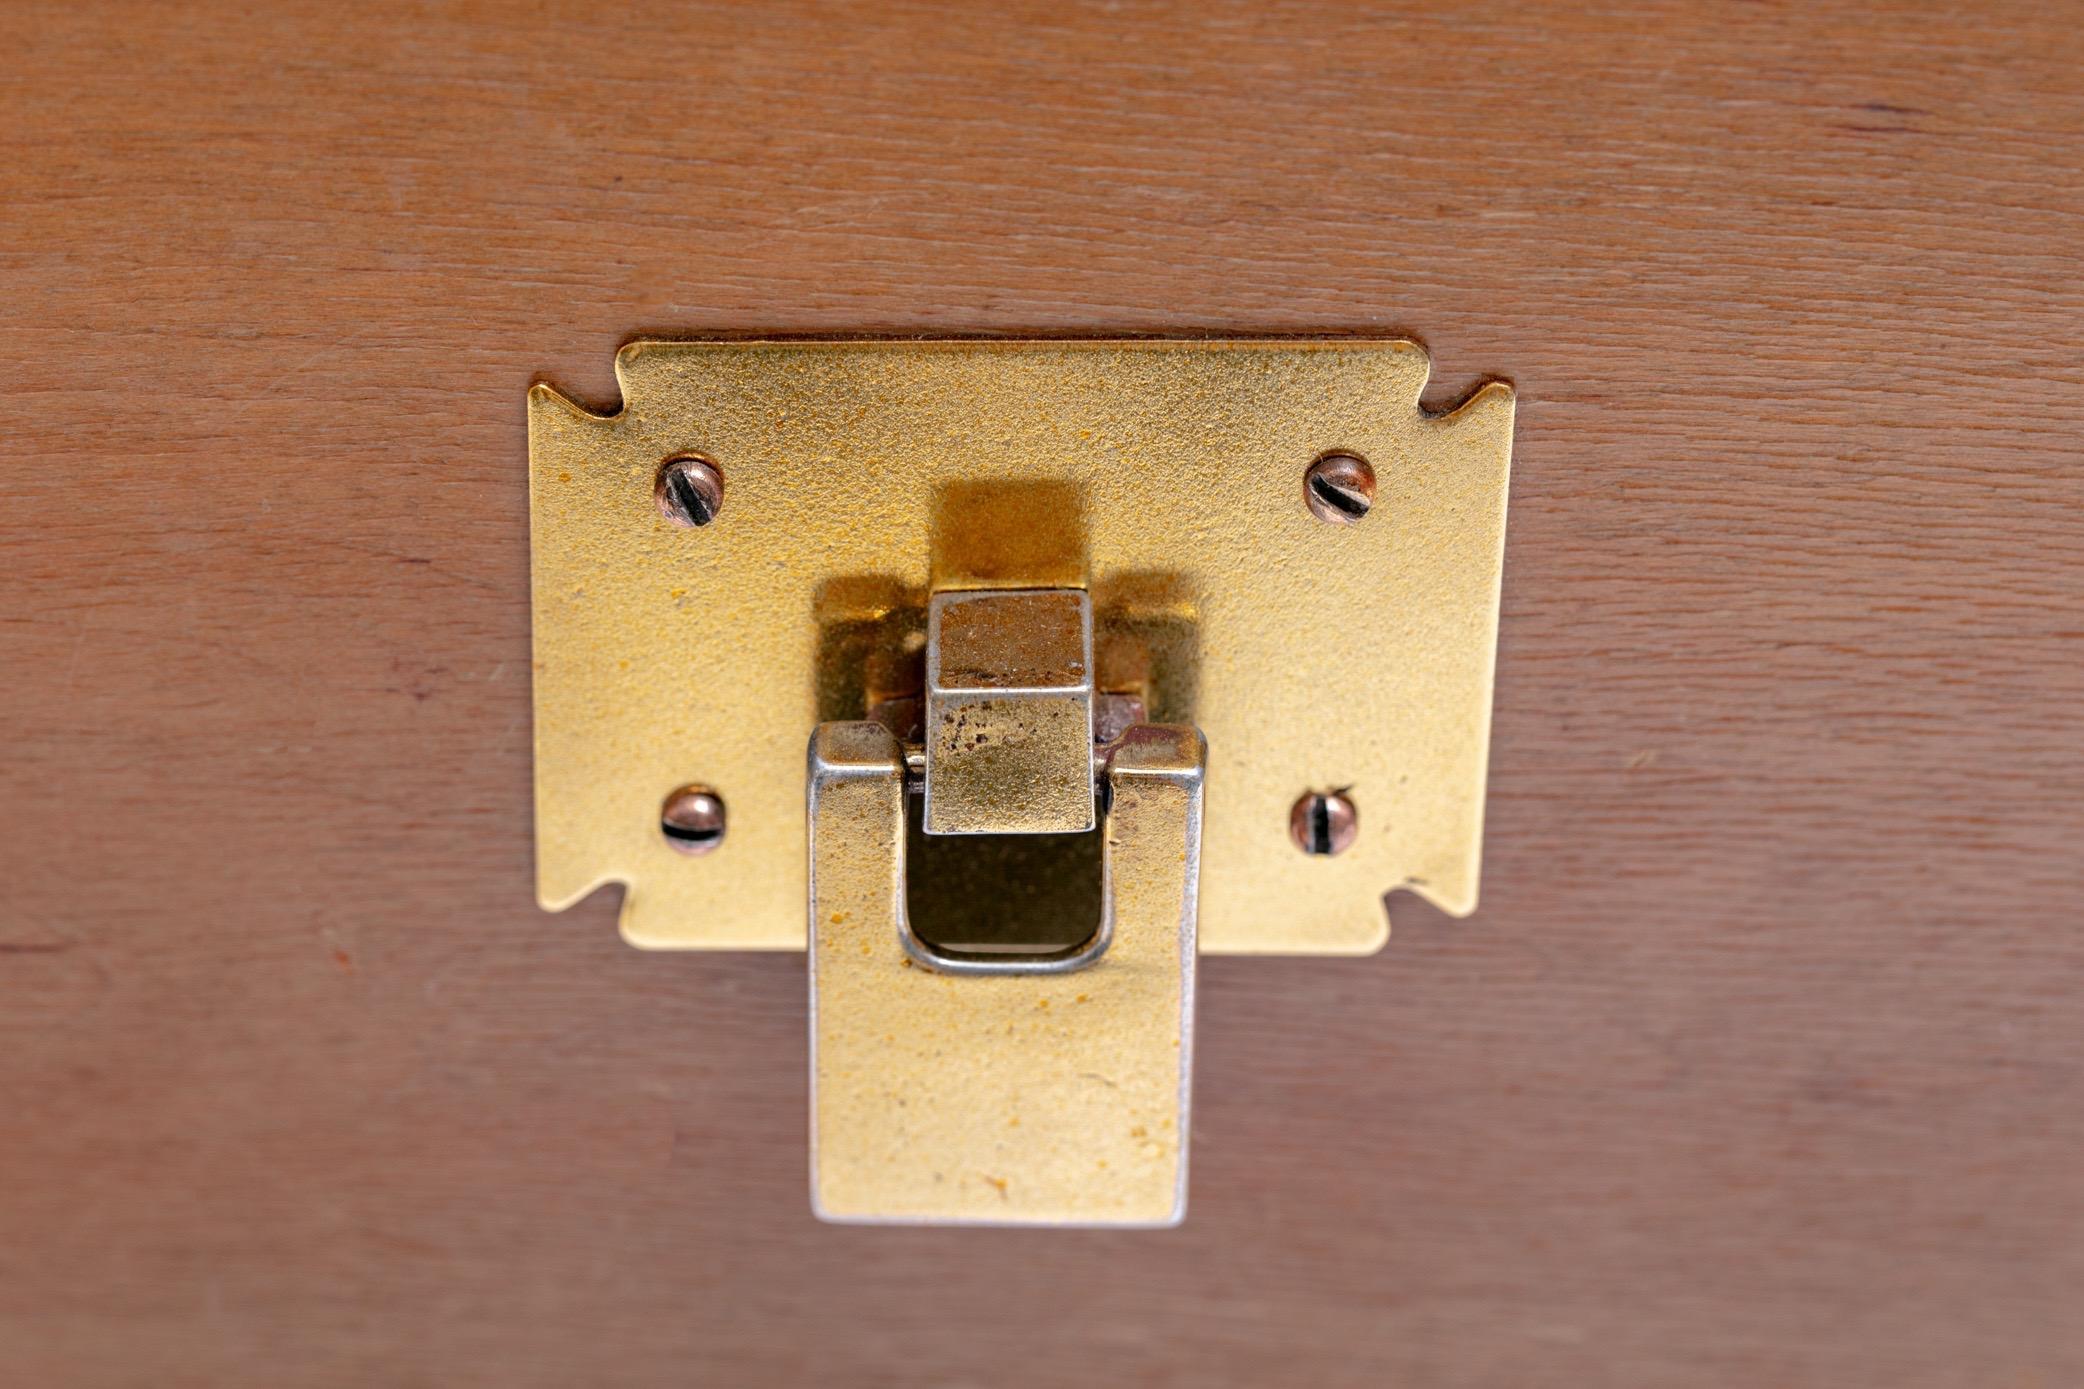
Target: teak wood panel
(1763, 1060)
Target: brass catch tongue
(1009, 712)
(991, 1087)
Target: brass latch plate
(858, 478)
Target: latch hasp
(1312, 655)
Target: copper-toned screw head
(1323, 822)
(692, 819)
(1340, 488)
(690, 491)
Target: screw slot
(1323, 823)
(1340, 488)
(689, 491)
(692, 819)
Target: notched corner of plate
(1489, 404)
(1456, 904)
(562, 434)
(640, 358)
(547, 401)
(641, 919)
(561, 901)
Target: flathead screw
(1340, 488)
(692, 819)
(1323, 822)
(690, 491)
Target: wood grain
(1763, 1062)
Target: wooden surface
(1763, 1062)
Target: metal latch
(1107, 654)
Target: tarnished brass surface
(1167, 477)
(1020, 1099)
(1009, 712)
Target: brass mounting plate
(1166, 476)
